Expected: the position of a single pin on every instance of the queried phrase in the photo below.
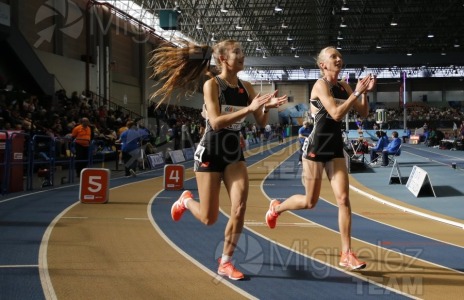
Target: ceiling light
(289, 38)
(339, 37)
(258, 48)
(284, 25)
(249, 39)
(409, 53)
(292, 47)
(199, 25)
(378, 46)
(213, 38)
(296, 54)
(342, 24)
(177, 7)
(430, 35)
(339, 47)
(264, 55)
(278, 8)
(443, 52)
(393, 22)
(456, 43)
(224, 8)
(344, 6)
(238, 26)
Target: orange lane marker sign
(94, 185)
(173, 177)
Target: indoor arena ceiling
(378, 33)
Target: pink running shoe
(229, 270)
(349, 259)
(178, 207)
(271, 215)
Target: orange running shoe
(271, 215)
(349, 259)
(229, 270)
(178, 207)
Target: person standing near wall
(82, 134)
(131, 145)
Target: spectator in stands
(202, 129)
(382, 142)
(75, 99)
(431, 137)
(177, 134)
(119, 132)
(254, 133)
(280, 133)
(186, 137)
(267, 132)
(359, 123)
(455, 130)
(434, 140)
(82, 134)
(461, 129)
(406, 134)
(131, 147)
(218, 157)
(303, 133)
(392, 148)
(194, 127)
(426, 134)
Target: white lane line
(127, 218)
(45, 280)
(405, 209)
(18, 266)
(283, 224)
(216, 277)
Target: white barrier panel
(177, 156)
(419, 182)
(156, 160)
(188, 153)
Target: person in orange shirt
(82, 134)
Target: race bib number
(305, 145)
(227, 109)
(199, 153)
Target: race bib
(199, 153)
(305, 145)
(227, 109)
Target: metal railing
(28, 163)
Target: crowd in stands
(183, 126)
(415, 115)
